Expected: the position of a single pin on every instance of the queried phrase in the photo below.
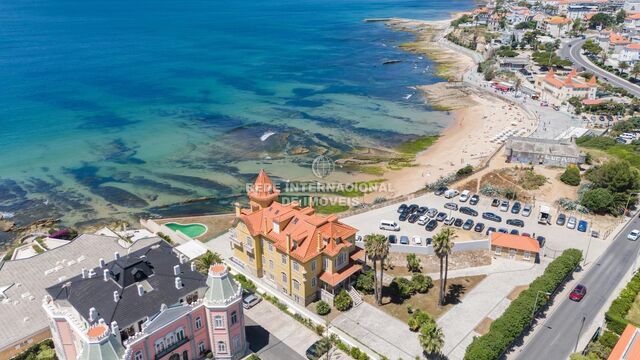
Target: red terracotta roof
(557, 20)
(334, 279)
(634, 46)
(628, 346)
(97, 331)
(263, 186)
(518, 242)
(217, 269)
(358, 254)
(591, 101)
(618, 39)
(635, 16)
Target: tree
(598, 200)
(343, 301)
(377, 249)
(635, 70)
(402, 288)
(322, 308)
(325, 347)
(620, 16)
(616, 175)
(204, 262)
(366, 282)
(623, 65)
(421, 283)
(571, 176)
(592, 47)
(431, 338)
(442, 245)
(601, 20)
(413, 263)
(417, 319)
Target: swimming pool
(191, 230)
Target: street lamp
(533, 310)
(589, 229)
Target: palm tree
(204, 262)
(623, 66)
(635, 70)
(442, 245)
(431, 337)
(377, 248)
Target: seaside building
(632, 22)
(557, 26)
(147, 304)
(516, 247)
(557, 90)
(528, 150)
(300, 253)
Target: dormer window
(276, 227)
(295, 245)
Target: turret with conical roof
(222, 289)
(263, 193)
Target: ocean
(114, 109)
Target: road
(571, 51)
(560, 332)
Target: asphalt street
(560, 332)
(267, 346)
(571, 51)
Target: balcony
(234, 240)
(248, 246)
(171, 347)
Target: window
(218, 322)
(325, 263)
(284, 258)
(198, 322)
(296, 298)
(180, 334)
(270, 246)
(526, 255)
(159, 345)
(296, 266)
(169, 340)
(201, 347)
(234, 318)
(222, 347)
(296, 284)
(341, 259)
(271, 264)
(138, 356)
(236, 343)
(313, 265)
(314, 281)
(498, 250)
(185, 355)
(284, 277)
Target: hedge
(615, 316)
(517, 317)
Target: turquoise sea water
(115, 107)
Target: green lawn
(413, 147)
(634, 313)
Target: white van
(451, 193)
(464, 196)
(389, 225)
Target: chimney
(115, 296)
(140, 290)
(105, 274)
(237, 206)
(84, 273)
(176, 270)
(93, 314)
(288, 244)
(319, 243)
(178, 283)
(115, 330)
(101, 262)
(193, 266)
(116, 255)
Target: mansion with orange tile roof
(292, 248)
(557, 90)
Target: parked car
(404, 240)
(514, 232)
(491, 216)
(562, 218)
(468, 211)
(503, 230)
(439, 191)
(389, 225)
(571, 223)
(451, 206)
(422, 210)
(515, 222)
(490, 230)
(402, 208)
(412, 208)
(516, 207)
(431, 225)
(403, 216)
(417, 240)
(441, 216)
(317, 349)
(451, 193)
(413, 218)
(578, 292)
(250, 301)
(495, 202)
(474, 199)
(526, 210)
(449, 221)
(393, 239)
(428, 241)
(504, 205)
(479, 227)
(633, 235)
(432, 212)
(541, 240)
(464, 196)
(424, 219)
(582, 225)
(468, 224)
(458, 222)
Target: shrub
(464, 171)
(245, 283)
(421, 283)
(413, 263)
(609, 339)
(354, 352)
(597, 200)
(402, 288)
(253, 357)
(417, 319)
(365, 282)
(343, 301)
(571, 176)
(615, 316)
(508, 327)
(322, 308)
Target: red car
(578, 293)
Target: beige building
(556, 89)
(514, 247)
(295, 250)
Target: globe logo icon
(322, 166)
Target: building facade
(556, 90)
(549, 152)
(515, 247)
(149, 305)
(300, 253)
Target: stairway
(355, 296)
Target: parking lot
(557, 238)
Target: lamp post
(533, 310)
(590, 227)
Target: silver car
(504, 205)
(250, 301)
(571, 223)
(526, 210)
(432, 212)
